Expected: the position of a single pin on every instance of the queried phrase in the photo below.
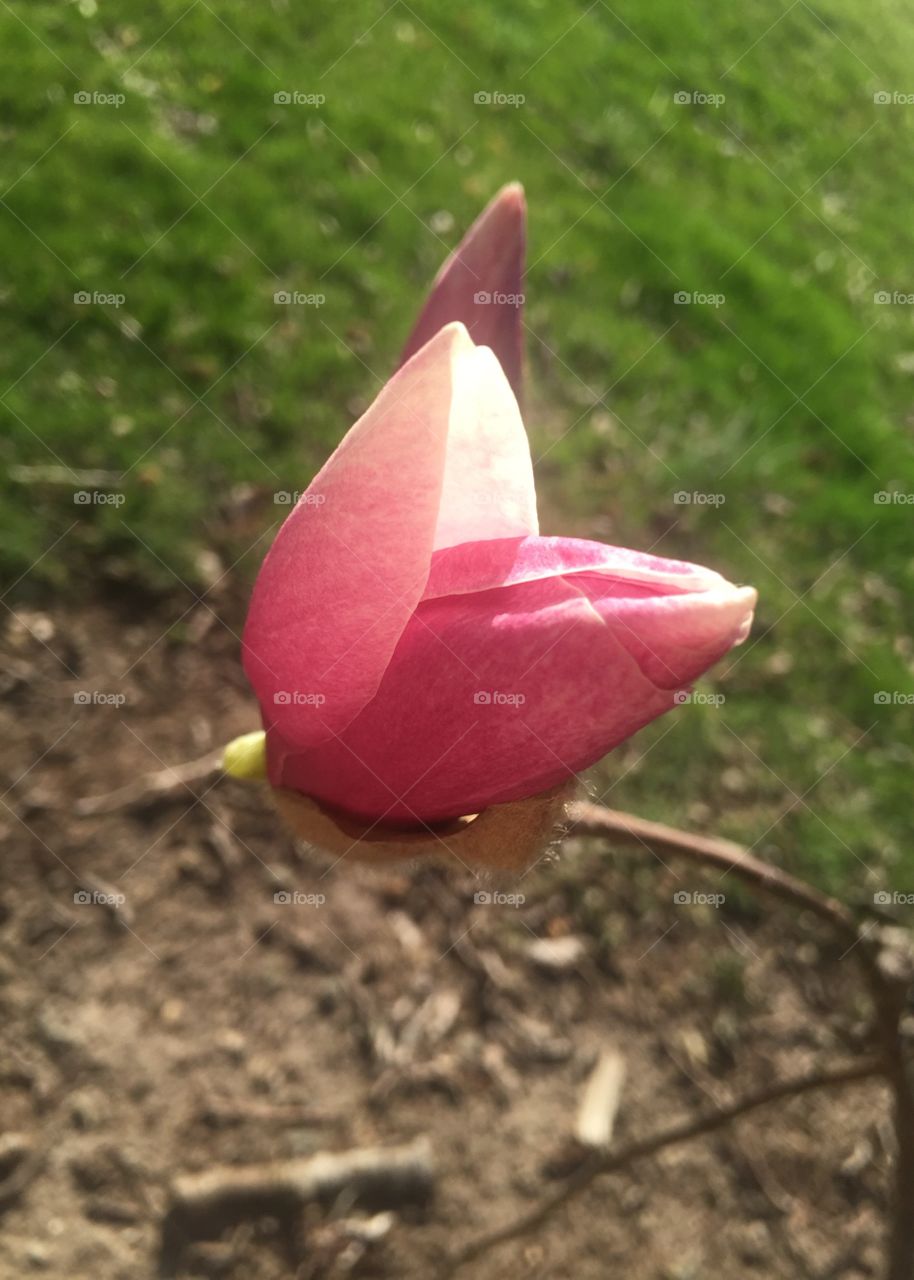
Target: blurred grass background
(198, 197)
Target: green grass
(199, 197)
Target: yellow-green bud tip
(246, 757)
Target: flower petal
(440, 457)
(520, 686)
(675, 638)
(488, 263)
(329, 604)
(488, 492)
(479, 566)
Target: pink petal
(478, 566)
(674, 639)
(571, 668)
(330, 605)
(488, 491)
(489, 261)
(440, 457)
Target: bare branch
(598, 1164)
(723, 855)
(164, 784)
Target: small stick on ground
(600, 1163)
(164, 784)
(371, 1178)
(885, 955)
(376, 1177)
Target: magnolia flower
(419, 651)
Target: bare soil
(200, 1022)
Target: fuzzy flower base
(504, 837)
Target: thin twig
(163, 784)
(597, 1164)
(887, 973)
(724, 855)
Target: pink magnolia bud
(421, 653)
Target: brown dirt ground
(203, 1024)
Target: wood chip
(600, 1101)
(558, 955)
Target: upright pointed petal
(440, 457)
(349, 565)
(480, 284)
(488, 490)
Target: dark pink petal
(495, 696)
(440, 457)
(480, 284)
(674, 638)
